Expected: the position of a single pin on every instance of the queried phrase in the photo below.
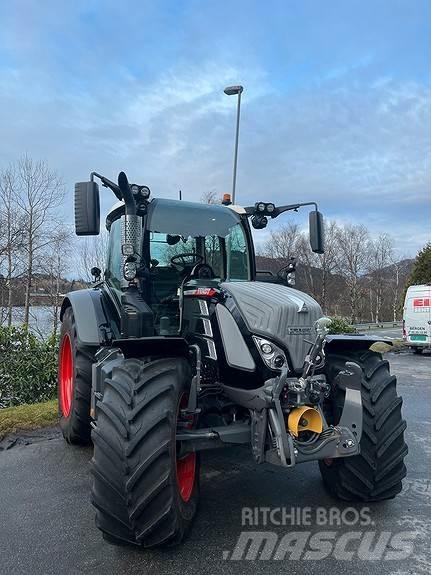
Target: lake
(41, 319)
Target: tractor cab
(184, 246)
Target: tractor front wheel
(377, 472)
(145, 490)
(74, 383)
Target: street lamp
(231, 91)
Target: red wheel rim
(186, 471)
(66, 375)
(186, 466)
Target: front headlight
(273, 356)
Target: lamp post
(231, 91)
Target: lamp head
(232, 90)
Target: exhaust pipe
(131, 231)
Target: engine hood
(282, 314)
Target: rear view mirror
(317, 232)
(87, 209)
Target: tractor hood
(279, 313)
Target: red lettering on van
(422, 302)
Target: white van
(417, 318)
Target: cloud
(323, 118)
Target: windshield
(190, 219)
(214, 233)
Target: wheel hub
(186, 465)
(66, 375)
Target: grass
(31, 416)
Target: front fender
(93, 327)
(344, 342)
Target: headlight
(273, 356)
(266, 348)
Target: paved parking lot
(47, 522)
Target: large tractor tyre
(74, 383)
(144, 491)
(376, 473)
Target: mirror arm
(107, 184)
(251, 210)
(281, 209)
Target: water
(41, 319)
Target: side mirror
(317, 232)
(87, 209)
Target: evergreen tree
(421, 273)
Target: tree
(40, 194)
(54, 266)
(210, 197)
(352, 261)
(283, 243)
(421, 273)
(12, 230)
(380, 258)
(92, 252)
(394, 285)
(325, 264)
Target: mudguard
(342, 342)
(93, 326)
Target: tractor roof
(185, 218)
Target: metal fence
(381, 325)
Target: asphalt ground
(391, 332)
(47, 521)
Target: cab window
(238, 265)
(214, 255)
(114, 260)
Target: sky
(336, 105)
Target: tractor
(182, 346)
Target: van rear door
(418, 316)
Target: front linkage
(284, 410)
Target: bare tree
(380, 257)
(40, 193)
(283, 243)
(398, 278)
(210, 197)
(308, 270)
(352, 262)
(92, 252)
(325, 264)
(53, 268)
(12, 229)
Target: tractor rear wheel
(145, 492)
(377, 472)
(74, 383)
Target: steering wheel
(188, 259)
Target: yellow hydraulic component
(304, 418)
